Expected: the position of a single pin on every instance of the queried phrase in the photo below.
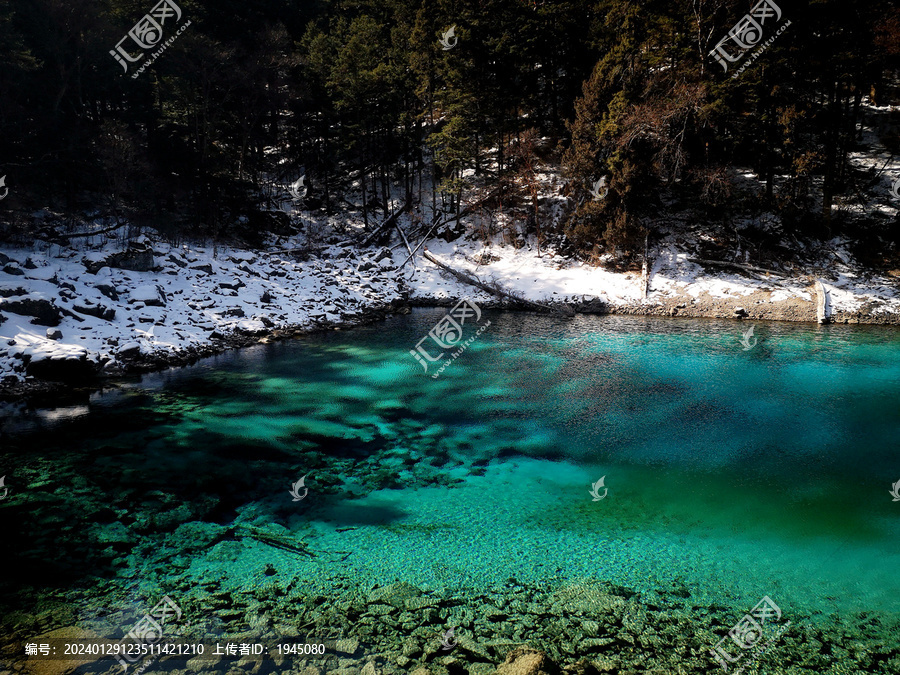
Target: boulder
(206, 268)
(137, 258)
(232, 285)
(151, 296)
(72, 369)
(14, 269)
(54, 334)
(108, 290)
(45, 312)
(129, 350)
(8, 291)
(99, 311)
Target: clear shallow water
(734, 474)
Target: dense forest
(381, 104)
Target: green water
(734, 474)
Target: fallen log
(740, 266)
(495, 289)
(821, 302)
(390, 220)
(466, 211)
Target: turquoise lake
(734, 473)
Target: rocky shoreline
(207, 302)
(56, 392)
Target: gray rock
(73, 369)
(14, 269)
(108, 290)
(45, 312)
(99, 311)
(137, 258)
(54, 334)
(9, 291)
(232, 285)
(207, 268)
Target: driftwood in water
(494, 288)
(278, 541)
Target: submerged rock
(527, 661)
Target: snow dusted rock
(99, 311)
(54, 334)
(151, 296)
(251, 326)
(72, 367)
(10, 290)
(232, 285)
(206, 267)
(42, 273)
(177, 260)
(138, 258)
(129, 350)
(44, 311)
(4, 259)
(14, 269)
(108, 290)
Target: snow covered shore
(68, 314)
